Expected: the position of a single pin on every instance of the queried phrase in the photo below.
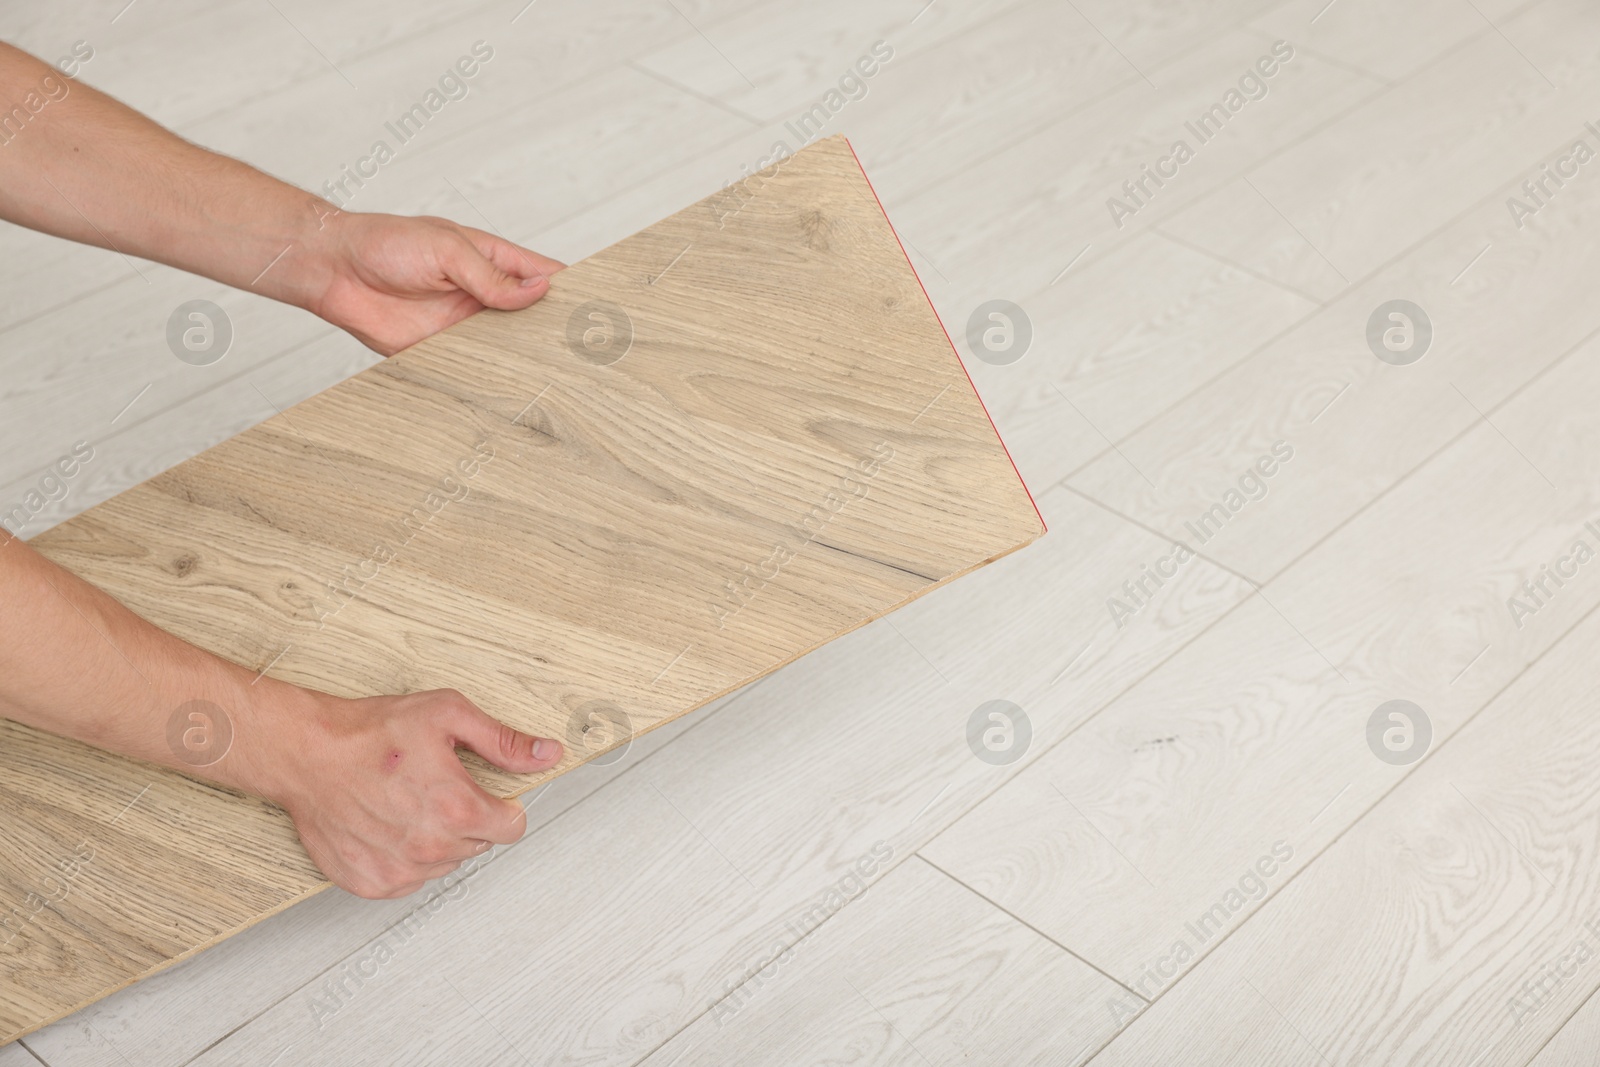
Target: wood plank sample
(709, 449)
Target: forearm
(374, 786)
(90, 169)
(74, 661)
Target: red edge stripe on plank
(1022, 481)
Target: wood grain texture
(1574, 1044)
(790, 783)
(919, 970)
(787, 449)
(1142, 819)
(1383, 424)
(1441, 929)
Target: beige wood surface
(786, 449)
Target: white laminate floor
(1208, 840)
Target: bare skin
(375, 788)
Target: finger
(478, 821)
(467, 848)
(485, 281)
(471, 812)
(439, 870)
(515, 260)
(508, 749)
(329, 866)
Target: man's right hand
(376, 790)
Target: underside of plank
(712, 447)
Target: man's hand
(378, 794)
(393, 280)
(375, 788)
(92, 170)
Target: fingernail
(546, 749)
(528, 283)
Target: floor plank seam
(1177, 207)
(1378, 801)
(1332, 61)
(789, 946)
(23, 1044)
(1437, 453)
(1025, 923)
(1383, 493)
(397, 43)
(1557, 1031)
(1476, 205)
(1059, 117)
(1108, 509)
(76, 298)
(1156, 229)
(679, 87)
(1259, 349)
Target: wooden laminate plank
(864, 741)
(627, 488)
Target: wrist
(273, 726)
(305, 252)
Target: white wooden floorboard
(1029, 209)
(1359, 424)
(1574, 1044)
(1422, 165)
(1388, 41)
(1236, 225)
(1256, 733)
(1115, 341)
(770, 62)
(1153, 33)
(1408, 940)
(918, 971)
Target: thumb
(478, 276)
(510, 750)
